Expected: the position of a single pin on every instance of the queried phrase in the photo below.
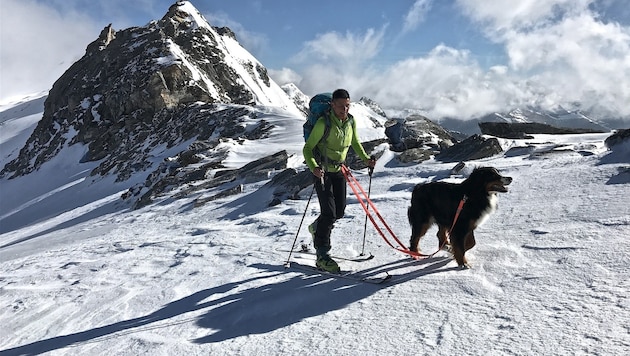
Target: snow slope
(549, 277)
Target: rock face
(617, 139)
(416, 131)
(524, 129)
(474, 147)
(146, 84)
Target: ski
(361, 258)
(350, 275)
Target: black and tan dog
(438, 202)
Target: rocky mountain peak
(134, 82)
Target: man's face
(341, 107)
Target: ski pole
(370, 171)
(287, 264)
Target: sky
(449, 58)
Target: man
(324, 156)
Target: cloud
(416, 15)
(445, 83)
(255, 43)
(346, 49)
(560, 53)
(334, 60)
(38, 45)
(285, 76)
(500, 16)
(564, 49)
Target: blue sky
(459, 58)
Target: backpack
(318, 105)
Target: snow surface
(81, 274)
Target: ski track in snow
(549, 275)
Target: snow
(246, 66)
(80, 273)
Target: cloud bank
(38, 45)
(560, 54)
(569, 53)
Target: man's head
(341, 103)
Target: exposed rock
(373, 106)
(223, 194)
(354, 162)
(416, 155)
(174, 176)
(618, 138)
(619, 146)
(288, 184)
(523, 130)
(416, 131)
(472, 148)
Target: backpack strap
(320, 157)
(326, 127)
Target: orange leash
(366, 204)
(459, 210)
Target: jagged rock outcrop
(416, 155)
(416, 131)
(288, 184)
(170, 178)
(373, 105)
(619, 145)
(617, 139)
(299, 98)
(474, 147)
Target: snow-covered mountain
(131, 83)
(559, 118)
(177, 116)
(167, 109)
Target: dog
(438, 202)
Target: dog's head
(490, 179)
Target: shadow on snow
(256, 310)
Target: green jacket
(342, 135)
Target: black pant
(332, 204)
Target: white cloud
(498, 16)
(416, 15)
(285, 76)
(446, 82)
(564, 49)
(255, 43)
(559, 53)
(345, 50)
(38, 45)
(333, 60)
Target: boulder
(474, 147)
(416, 131)
(617, 139)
